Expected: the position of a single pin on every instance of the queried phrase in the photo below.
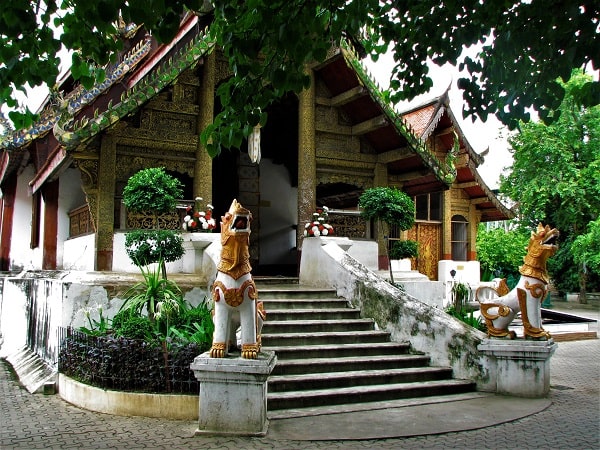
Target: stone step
(328, 356)
(313, 326)
(348, 363)
(320, 338)
(303, 303)
(263, 281)
(336, 350)
(312, 314)
(377, 407)
(356, 378)
(293, 292)
(360, 394)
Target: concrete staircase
(327, 355)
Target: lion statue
(499, 307)
(234, 292)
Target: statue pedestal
(518, 367)
(233, 394)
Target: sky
(481, 135)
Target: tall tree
(555, 177)
(525, 47)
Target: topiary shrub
(404, 249)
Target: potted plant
(387, 205)
(401, 251)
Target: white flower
(187, 218)
(198, 199)
(202, 213)
(209, 206)
(205, 225)
(305, 233)
(325, 232)
(320, 219)
(212, 222)
(325, 208)
(316, 232)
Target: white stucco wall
(70, 196)
(22, 257)
(278, 215)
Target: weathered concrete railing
(447, 340)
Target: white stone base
(518, 367)
(233, 394)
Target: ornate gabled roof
(79, 116)
(435, 117)
(73, 133)
(409, 161)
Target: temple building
(62, 179)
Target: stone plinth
(518, 367)
(233, 394)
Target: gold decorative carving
(89, 172)
(250, 351)
(528, 329)
(538, 252)
(151, 221)
(537, 290)
(352, 226)
(503, 311)
(234, 297)
(217, 350)
(428, 235)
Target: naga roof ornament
(72, 133)
(60, 107)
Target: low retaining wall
(166, 406)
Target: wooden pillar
(50, 197)
(9, 190)
(447, 226)
(307, 161)
(107, 166)
(474, 218)
(203, 165)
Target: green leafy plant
(404, 249)
(460, 295)
(388, 205)
(467, 317)
(146, 247)
(160, 297)
(96, 327)
(153, 190)
(500, 251)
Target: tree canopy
(555, 177)
(524, 47)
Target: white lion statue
(499, 307)
(234, 292)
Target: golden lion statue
(500, 308)
(234, 292)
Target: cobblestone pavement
(571, 422)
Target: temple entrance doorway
(268, 189)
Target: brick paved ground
(571, 422)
